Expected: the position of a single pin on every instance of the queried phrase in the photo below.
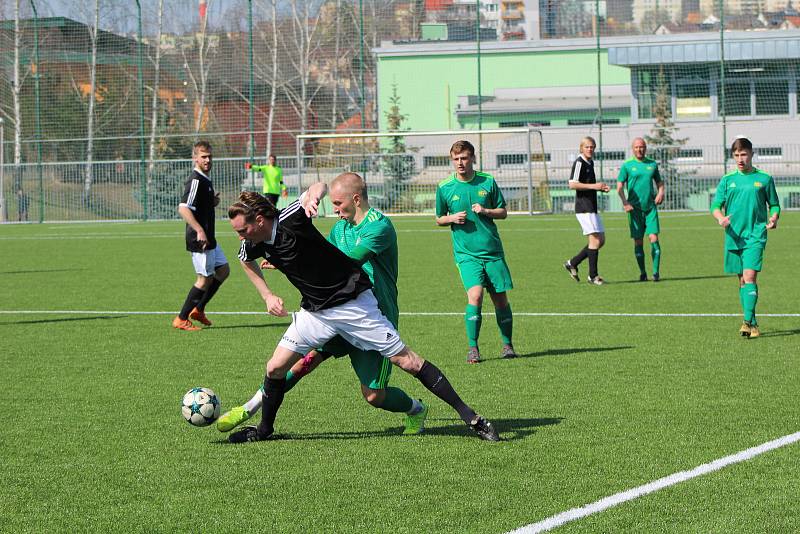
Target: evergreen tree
(397, 163)
(663, 145)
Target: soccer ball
(201, 406)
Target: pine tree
(663, 145)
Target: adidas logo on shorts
(389, 336)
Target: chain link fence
(101, 101)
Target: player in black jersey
(582, 179)
(337, 299)
(197, 209)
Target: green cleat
(415, 424)
(230, 420)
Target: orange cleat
(184, 324)
(200, 316)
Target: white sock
(254, 404)
(416, 407)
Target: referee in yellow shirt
(273, 179)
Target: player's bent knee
(408, 360)
(374, 397)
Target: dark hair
(250, 204)
(271, 156)
(742, 143)
(461, 146)
(204, 145)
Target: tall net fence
(101, 102)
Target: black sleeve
(248, 252)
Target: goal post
(402, 169)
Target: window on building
(435, 161)
(609, 155)
(692, 100)
(647, 86)
(511, 159)
(539, 156)
(513, 124)
(539, 123)
(690, 153)
(737, 98)
(772, 97)
(589, 122)
(769, 152)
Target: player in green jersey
(468, 202)
(273, 185)
(367, 236)
(638, 175)
(740, 206)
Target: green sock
(506, 323)
(396, 401)
(472, 320)
(655, 253)
(748, 294)
(638, 251)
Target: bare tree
(156, 74)
(199, 73)
(87, 181)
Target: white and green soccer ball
(201, 406)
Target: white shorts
(590, 223)
(205, 263)
(358, 321)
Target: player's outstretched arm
(273, 302)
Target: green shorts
(736, 261)
(491, 274)
(372, 369)
(643, 222)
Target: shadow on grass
(556, 352)
(262, 325)
(509, 430)
(37, 271)
(66, 319)
(672, 279)
(780, 333)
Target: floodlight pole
(722, 86)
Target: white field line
(665, 482)
(410, 314)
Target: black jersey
(583, 172)
(324, 275)
(198, 196)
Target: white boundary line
(412, 314)
(670, 480)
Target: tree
(397, 163)
(663, 143)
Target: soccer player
(337, 299)
(197, 209)
(468, 202)
(369, 238)
(638, 174)
(273, 185)
(583, 181)
(740, 206)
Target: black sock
(579, 257)
(593, 262)
(433, 379)
(192, 299)
(274, 389)
(209, 294)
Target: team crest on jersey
(456, 197)
(757, 184)
(733, 185)
(482, 193)
(358, 240)
(649, 168)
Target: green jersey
(273, 178)
(478, 236)
(640, 175)
(376, 233)
(744, 198)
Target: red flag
(202, 10)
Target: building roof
(739, 46)
(623, 44)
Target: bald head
(350, 183)
(639, 148)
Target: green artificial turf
(93, 438)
